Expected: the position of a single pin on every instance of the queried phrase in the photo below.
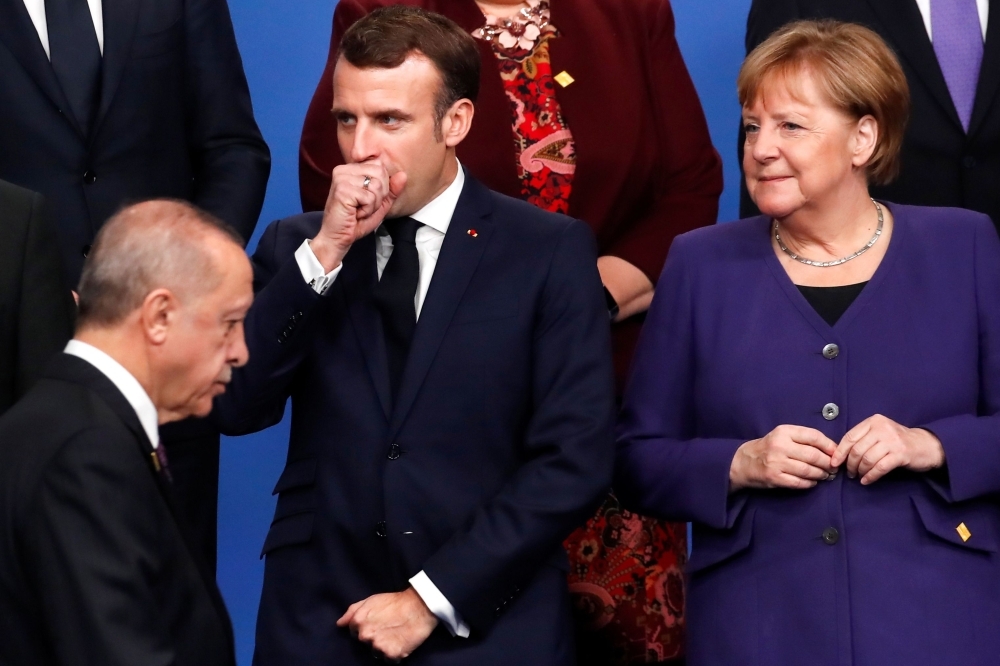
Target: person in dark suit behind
(107, 103)
(950, 53)
(36, 309)
(447, 353)
(94, 565)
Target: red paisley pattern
(626, 580)
(626, 571)
(542, 140)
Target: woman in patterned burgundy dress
(585, 108)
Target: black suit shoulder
(93, 569)
(38, 308)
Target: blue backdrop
(284, 47)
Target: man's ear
(457, 122)
(157, 314)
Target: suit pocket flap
(288, 531)
(297, 474)
(968, 524)
(711, 546)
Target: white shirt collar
(124, 382)
(439, 210)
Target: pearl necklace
(835, 262)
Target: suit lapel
(75, 369)
(119, 30)
(18, 33)
(460, 255)
(989, 73)
(357, 279)
(902, 20)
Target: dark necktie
(395, 292)
(159, 456)
(958, 43)
(75, 55)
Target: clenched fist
(361, 196)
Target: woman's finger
(886, 464)
(848, 441)
(814, 438)
(804, 471)
(859, 449)
(810, 456)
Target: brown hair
(856, 71)
(146, 246)
(386, 37)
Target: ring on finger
(366, 183)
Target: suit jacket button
(831, 351)
(394, 452)
(89, 177)
(831, 536)
(830, 411)
(969, 162)
(381, 530)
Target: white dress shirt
(124, 382)
(436, 218)
(925, 10)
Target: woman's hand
(878, 445)
(787, 457)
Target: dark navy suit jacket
(498, 445)
(842, 573)
(174, 120)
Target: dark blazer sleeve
(277, 329)
(764, 18)
(567, 449)
(232, 161)
(319, 151)
(689, 178)
(661, 468)
(41, 307)
(93, 546)
(972, 442)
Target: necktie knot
(402, 230)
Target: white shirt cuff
(439, 605)
(312, 271)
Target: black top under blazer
(94, 566)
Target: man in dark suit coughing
(446, 351)
(105, 102)
(96, 568)
(37, 309)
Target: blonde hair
(855, 70)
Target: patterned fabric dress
(626, 571)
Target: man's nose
(238, 352)
(364, 146)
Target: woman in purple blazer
(818, 389)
